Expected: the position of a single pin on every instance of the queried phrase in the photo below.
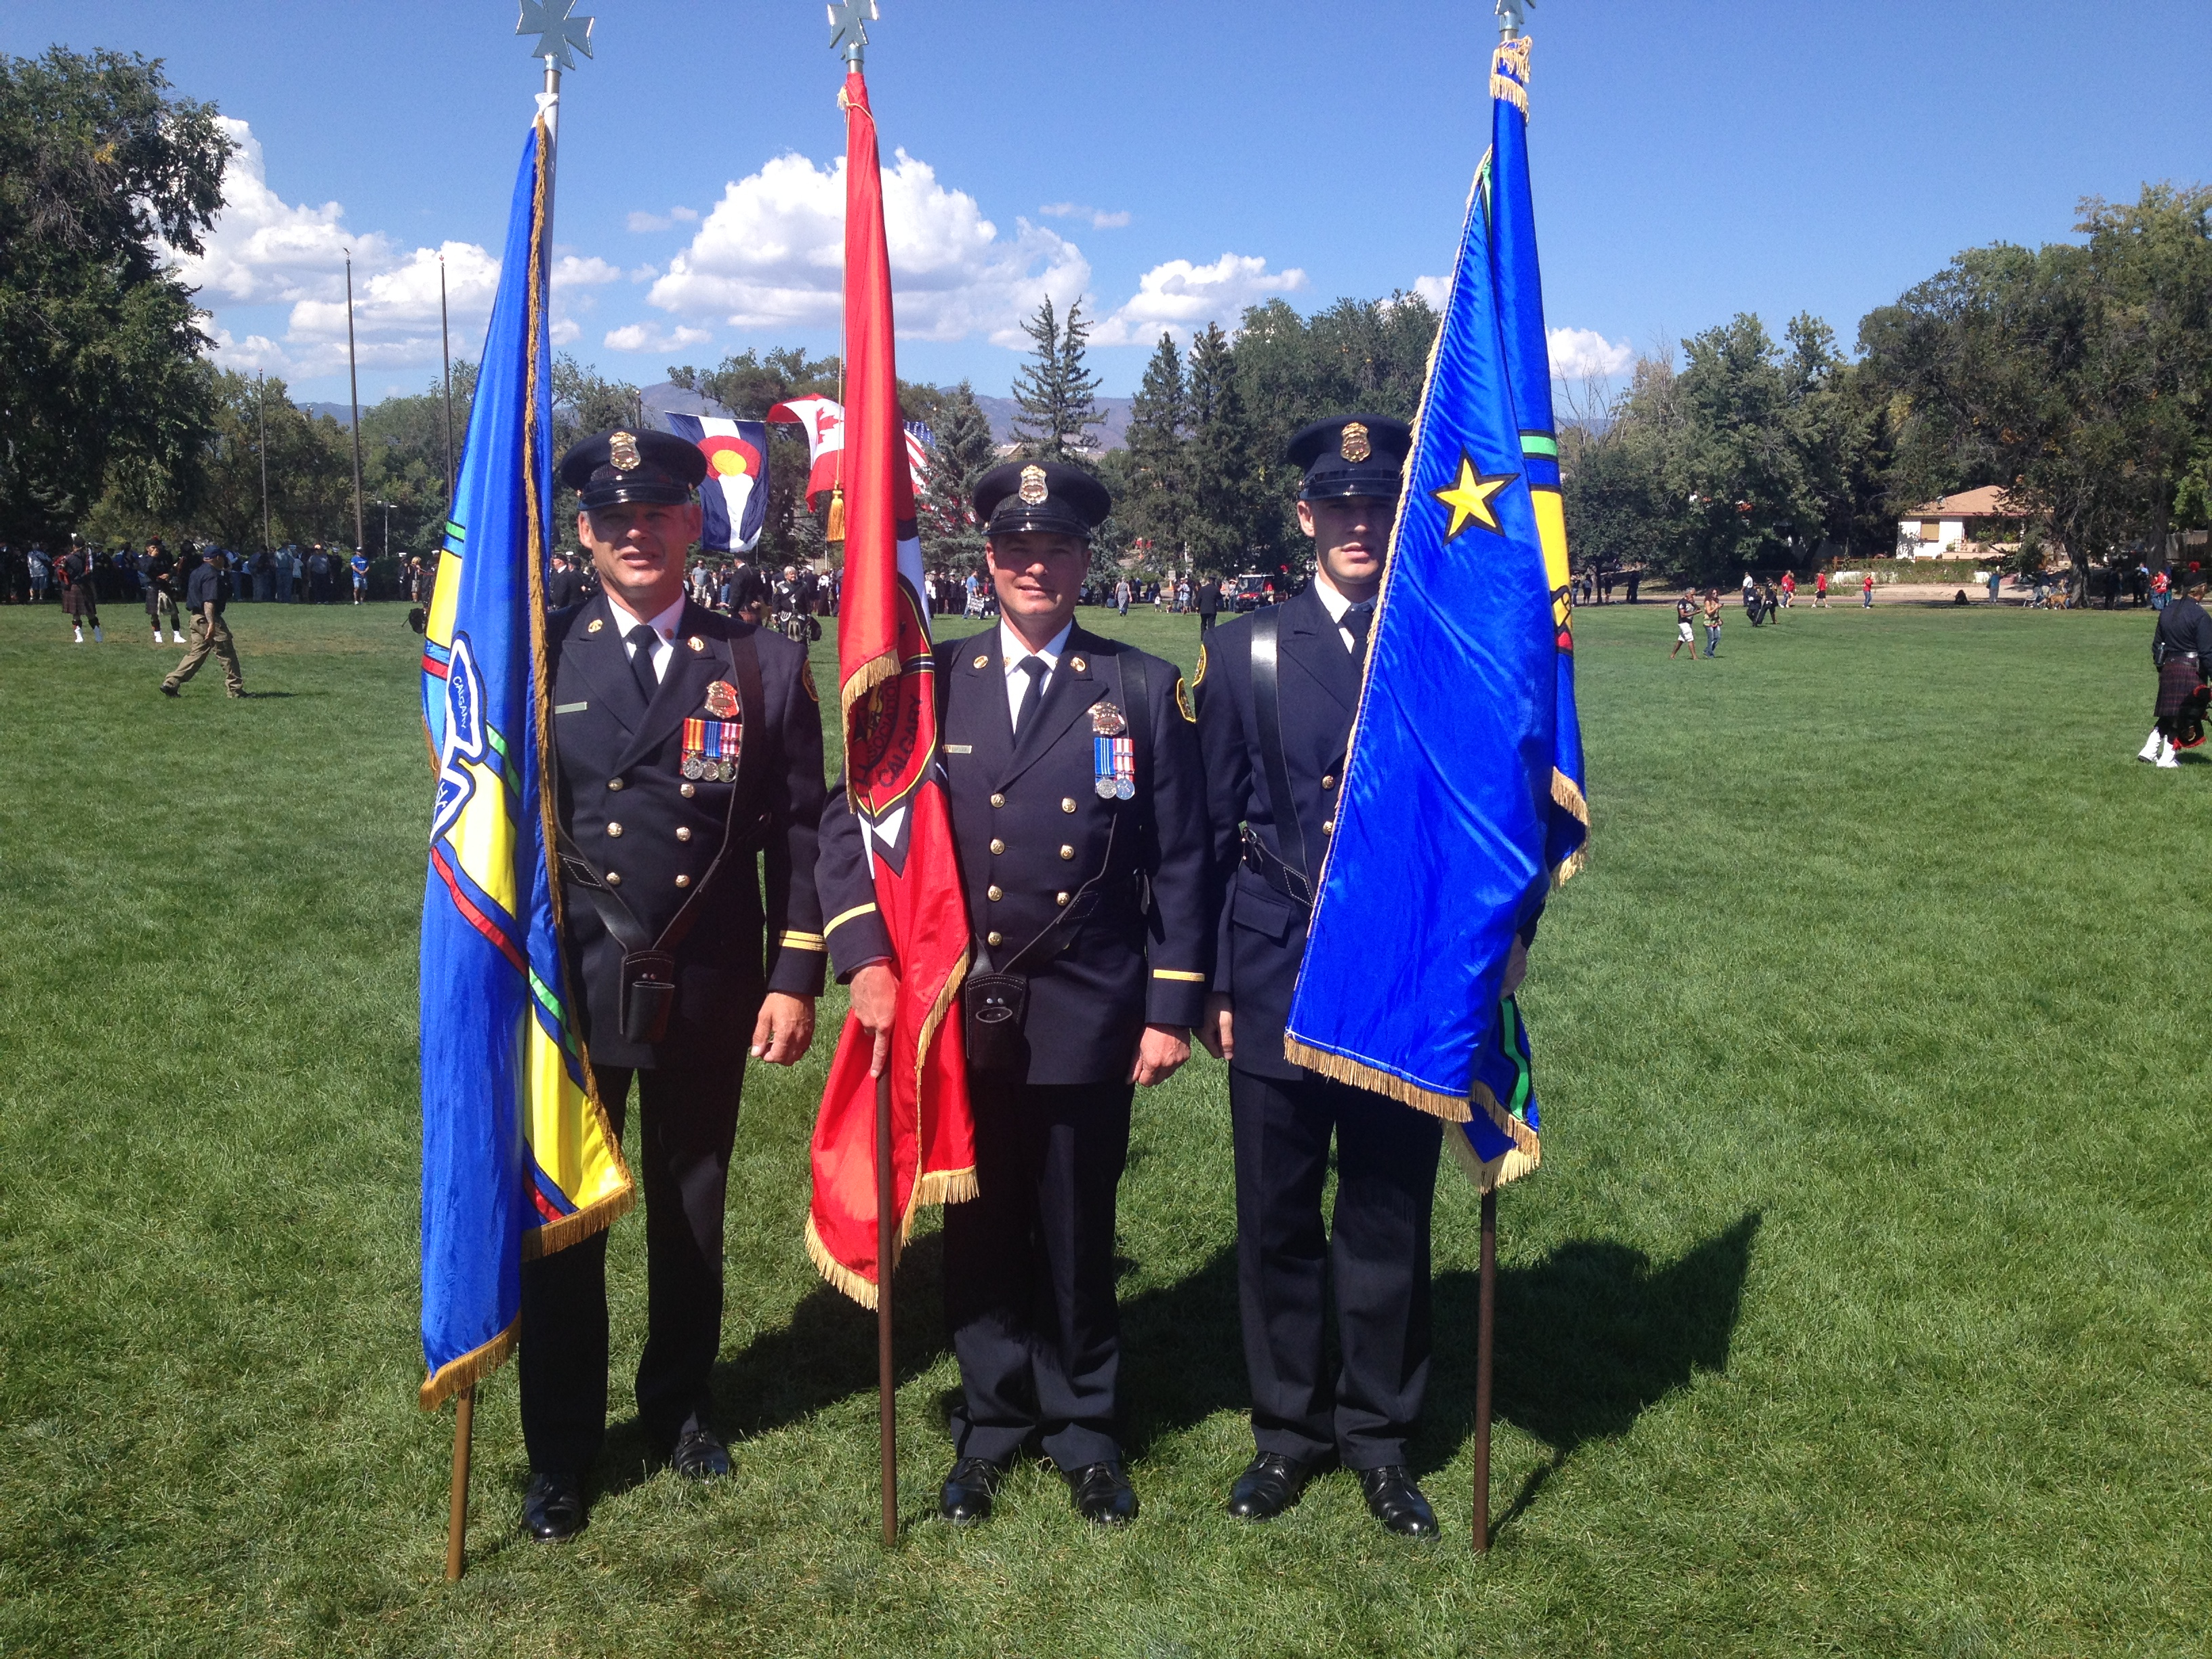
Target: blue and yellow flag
(517, 1159)
(1463, 798)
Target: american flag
(920, 441)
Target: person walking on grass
(1865, 591)
(1712, 622)
(1820, 590)
(79, 603)
(206, 594)
(157, 573)
(1686, 613)
(359, 565)
(2181, 650)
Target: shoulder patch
(1183, 700)
(806, 677)
(1199, 679)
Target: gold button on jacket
(993, 939)
(1000, 801)
(614, 783)
(1067, 852)
(683, 832)
(1066, 803)
(614, 878)
(690, 790)
(614, 828)
(994, 893)
(998, 846)
(683, 881)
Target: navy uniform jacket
(632, 813)
(1262, 935)
(1031, 831)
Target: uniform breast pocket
(1269, 918)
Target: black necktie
(643, 642)
(1036, 668)
(1357, 621)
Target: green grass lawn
(1859, 1306)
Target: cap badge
(1356, 447)
(621, 450)
(721, 700)
(1034, 491)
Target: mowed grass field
(1860, 1306)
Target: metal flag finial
(1512, 18)
(556, 31)
(848, 27)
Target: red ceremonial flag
(896, 783)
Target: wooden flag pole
(886, 1401)
(1486, 1323)
(456, 1522)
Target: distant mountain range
(342, 413)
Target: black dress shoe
(1102, 1492)
(965, 1496)
(700, 1455)
(553, 1508)
(1270, 1483)
(1396, 1502)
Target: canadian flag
(823, 420)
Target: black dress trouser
(688, 1122)
(1029, 1273)
(1377, 1252)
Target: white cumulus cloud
(263, 249)
(1580, 352)
(1433, 289)
(569, 271)
(771, 254)
(1180, 298)
(644, 337)
(1099, 218)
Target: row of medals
(721, 700)
(1108, 721)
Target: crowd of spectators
(291, 574)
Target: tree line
(2076, 375)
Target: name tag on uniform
(570, 707)
(959, 748)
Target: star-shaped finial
(1468, 497)
(556, 30)
(848, 23)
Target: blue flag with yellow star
(1463, 797)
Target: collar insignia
(598, 623)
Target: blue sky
(1170, 162)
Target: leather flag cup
(517, 1159)
(823, 420)
(733, 500)
(1463, 796)
(894, 784)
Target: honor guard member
(1079, 812)
(689, 793)
(1276, 691)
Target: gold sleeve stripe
(1178, 973)
(792, 940)
(836, 922)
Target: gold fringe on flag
(467, 1370)
(1569, 797)
(594, 1217)
(1509, 1165)
(1451, 1108)
(864, 679)
(840, 1277)
(1513, 55)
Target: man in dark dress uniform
(690, 788)
(1276, 692)
(1079, 813)
(563, 586)
(2181, 651)
(1209, 602)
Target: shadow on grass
(1588, 1338)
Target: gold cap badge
(1034, 491)
(1356, 447)
(621, 450)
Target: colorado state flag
(1463, 798)
(517, 1159)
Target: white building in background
(1960, 525)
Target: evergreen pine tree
(1222, 455)
(1155, 506)
(962, 453)
(1059, 396)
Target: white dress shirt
(664, 628)
(1012, 648)
(1336, 605)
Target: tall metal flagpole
(848, 33)
(353, 379)
(1486, 1317)
(557, 33)
(446, 357)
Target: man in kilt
(2181, 648)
